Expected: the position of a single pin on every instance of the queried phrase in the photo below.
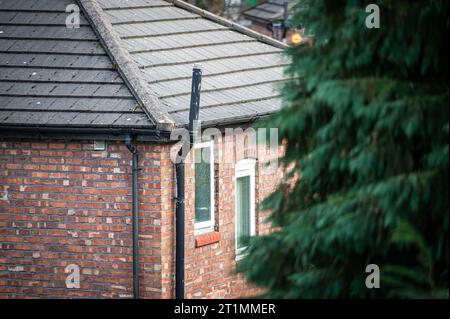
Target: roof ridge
(230, 24)
(127, 68)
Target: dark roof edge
(232, 25)
(117, 133)
(129, 71)
(83, 133)
(223, 123)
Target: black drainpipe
(134, 167)
(179, 168)
(179, 230)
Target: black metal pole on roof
(195, 101)
(180, 175)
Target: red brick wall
(210, 269)
(64, 203)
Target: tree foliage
(366, 122)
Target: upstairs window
(245, 203)
(204, 187)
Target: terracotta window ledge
(207, 239)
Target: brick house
(86, 173)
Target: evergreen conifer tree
(366, 122)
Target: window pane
(202, 185)
(243, 211)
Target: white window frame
(245, 167)
(206, 226)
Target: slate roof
(51, 75)
(269, 11)
(130, 64)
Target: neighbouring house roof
(130, 64)
(269, 11)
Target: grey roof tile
(149, 14)
(216, 115)
(34, 5)
(51, 46)
(220, 82)
(114, 4)
(165, 40)
(60, 61)
(183, 40)
(51, 75)
(34, 18)
(84, 33)
(202, 54)
(59, 75)
(130, 119)
(167, 27)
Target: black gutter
(180, 170)
(135, 214)
(118, 133)
(83, 134)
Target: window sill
(207, 239)
(198, 231)
(240, 254)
